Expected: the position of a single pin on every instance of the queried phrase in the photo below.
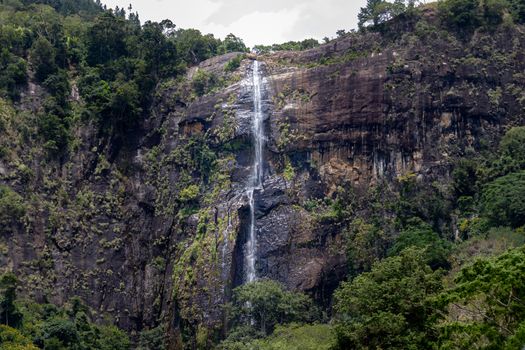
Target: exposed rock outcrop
(156, 231)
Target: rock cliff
(152, 228)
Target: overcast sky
(256, 21)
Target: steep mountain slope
(149, 228)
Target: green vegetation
(488, 295)
(288, 46)
(378, 12)
(460, 15)
(12, 339)
(503, 200)
(9, 313)
(291, 337)
(11, 207)
(115, 61)
(27, 326)
(429, 292)
(258, 307)
(430, 265)
(388, 307)
(234, 63)
(435, 250)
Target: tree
(113, 338)
(152, 339)
(518, 10)
(193, 47)
(390, 306)
(489, 295)
(43, 58)
(290, 337)
(9, 314)
(60, 333)
(418, 234)
(503, 200)
(462, 15)
(159, 53)
(366, 244)
(13, 74)
(12, 339)
(54, 132)
(233, 44)
(465, 179)
(266, 303)
(377, 12)
(512, 149)
(493, 11)
(125, 103)
(106, 39)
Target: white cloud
(256, 21)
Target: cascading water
(256, 180)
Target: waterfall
(256, 179)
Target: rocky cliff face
(156, 230)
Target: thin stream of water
(256, 179)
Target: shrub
(189, 193)
(12, 206)
(203, 82)
(234, 63)
(298, 337)
(12, 339)
(55, 133)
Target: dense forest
(436, 265)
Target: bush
(55, 133)
(234, 63)
(12, 206)
(203, 82)
(298, 337)
(12, 339)
(189, 193)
